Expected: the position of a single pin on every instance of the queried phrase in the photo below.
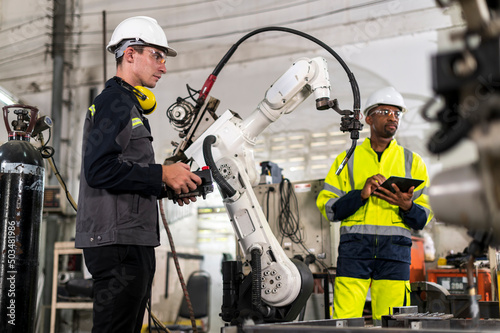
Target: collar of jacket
(367, 144)
(118, 82)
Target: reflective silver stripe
(333, 189)
(408, 162)
(328, 208)
(382, 230)
(136, 122)
(350, 168)
(22, 168)
(427, 212)
(418, 193)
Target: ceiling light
(319, 166)
(338, 142)
(7, 98)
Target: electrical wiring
(23, 24)
(283, 23)
(159, 326)
(29, 39)
(268, 195)
(47, 152)
(247, 13)
(135, 10)
(15, 58)
(227, 17)
(89, 47)
(288, 218)
(289, 221)
(30, 75)
(207, 20)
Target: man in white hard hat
(117, 220)
(375, 232)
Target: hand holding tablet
(403, 184)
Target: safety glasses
(159, 56)
(386, 113)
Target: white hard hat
(385, 96)
(138, 30)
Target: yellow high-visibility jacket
(373, 228)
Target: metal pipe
(474, 307)
(58, 46)
(104, 43)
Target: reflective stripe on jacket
(374, 228)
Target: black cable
(156, 8)
(256, 296)
(224, 186)
(29, 39)
(158, 326)
(24, 24)
(268, 192)
(350, 119)
(180, 124)
(322, 14)
(27, 55)
(47, 152)
(192, 92)
(288, 220)
(350, 75)
(245, 14)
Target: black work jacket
(119, 181)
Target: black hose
(347, 157)
(256, 280)
(257, 284)
(350, 75)
(226, 189)
(455, 128)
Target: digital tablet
(404, 184)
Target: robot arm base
(237, 306)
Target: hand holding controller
(202, 190)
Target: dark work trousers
(122, 276)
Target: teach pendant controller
(202, 190)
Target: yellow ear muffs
(146, 99)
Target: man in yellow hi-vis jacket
(375, 232)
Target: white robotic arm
(304, 77)
(227, 147)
